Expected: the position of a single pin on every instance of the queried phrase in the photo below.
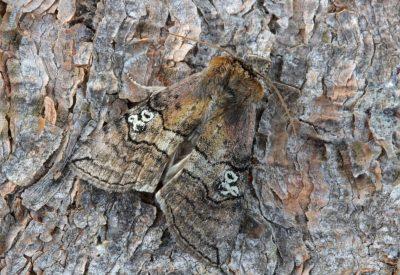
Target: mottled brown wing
(132, 152)
(203, 205)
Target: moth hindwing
(202, 200)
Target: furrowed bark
(326, 199)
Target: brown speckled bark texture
(325, 200)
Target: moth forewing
(131, 153)
(203, 203)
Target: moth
(195, 137)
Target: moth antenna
(259, 56)
(148, 89)
(203, 43)
(272, 86)
(269, 82)
(102, 117)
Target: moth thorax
(238, 83)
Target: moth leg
(146, 89)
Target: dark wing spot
(141, 128)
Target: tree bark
(324, 198)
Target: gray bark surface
(325, 200)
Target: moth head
(236, 83)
